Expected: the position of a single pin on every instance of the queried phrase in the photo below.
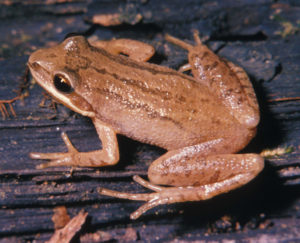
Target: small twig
(67, 233)
(267, 153)
(52, 104)
(3, 109)
(20, 94)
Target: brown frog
(202, 121)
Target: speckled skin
(200, 120)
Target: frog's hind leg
(182, 43)
(176, 194)
(187, 46)
(227, 81)
(192, 175)
(245, 83)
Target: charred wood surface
(262, 36)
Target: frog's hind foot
(184, 44)
(162, 195)
(176, 194)
(159, 197)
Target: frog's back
(157, 105)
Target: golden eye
(62, 84)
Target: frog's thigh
(228, 81)
(136, 50)
(245, 83)
(194, 169)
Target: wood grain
(260, 35)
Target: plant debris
(276, 152)
(60, 217)
(67, 233)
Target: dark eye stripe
(62, 84)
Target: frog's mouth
(73, 101)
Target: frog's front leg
(136, 50)
(193, 174)
(108, 155)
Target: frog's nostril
(34, 65)
(36, 57)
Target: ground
(262, 36)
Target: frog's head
(56, 69)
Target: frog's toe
(68, 143)
(59, 155)
(58, 159)
(45, 165)
(149, 205)
(147, 184)
(51, 156)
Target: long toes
(43, 166)
(50, 156)
(65, 161)
(48, 164)
(178, 42)
(147, 184)
(68, 143)
(141, 210)
(185, 67)
(147, 206)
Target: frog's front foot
(108, 155)
(58, 159)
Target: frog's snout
(34, 65)
(33, 58)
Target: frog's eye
(62, 84)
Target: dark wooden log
(262, 36)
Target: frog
(202, 114)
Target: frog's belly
(171, 133)
(171, 137)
